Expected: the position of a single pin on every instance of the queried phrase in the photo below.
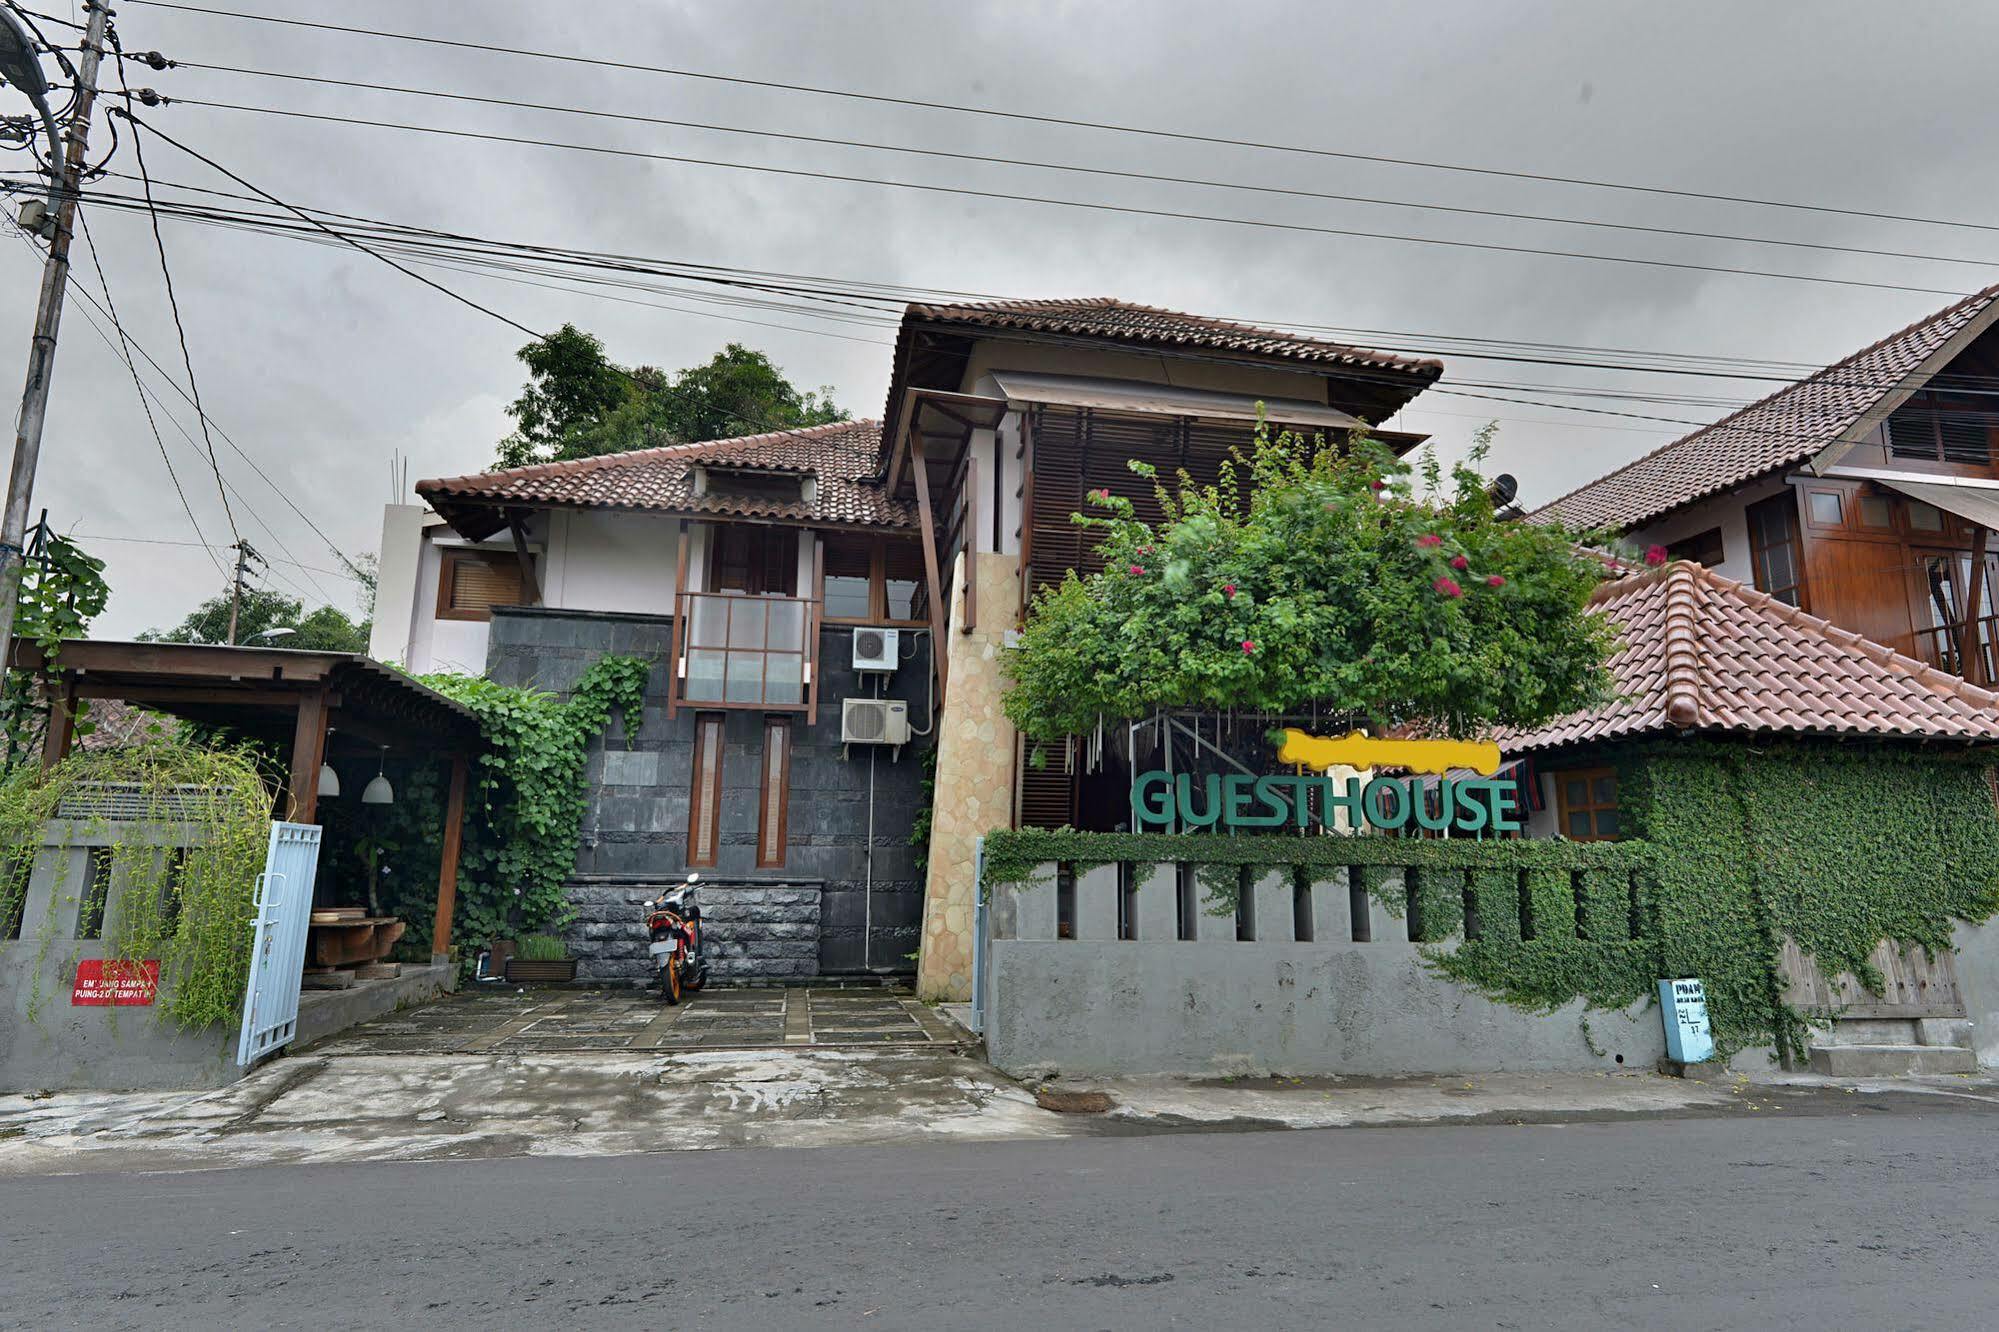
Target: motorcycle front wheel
(669, 981)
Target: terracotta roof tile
(1105, 317)
(1785, 428)
(840, 456)
(1698, 651)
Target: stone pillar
(973, 794)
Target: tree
(326, 629)
(578, 404)
(1337, 584)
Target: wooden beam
(447, 863)
(308, 752)
(1971, 659)
(679, 620)
(814, 608)
(164, 695)
(529, 583)
(970, 542)
(61, 733)
(939, 626)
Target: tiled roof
(1698, 651)
(1785, 428)
(841, 456)
(1105, 317)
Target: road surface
(1881, 1216)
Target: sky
(333, 375)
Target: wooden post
(529, 583)
(308, 753)
(814, 608)
(681, 609)
(61, 734)
(970, 542)
(1970, 655)
(939, 626)
(447, 864)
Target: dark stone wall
(812, 913)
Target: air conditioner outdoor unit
(874, 721)
(875, 649)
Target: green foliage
(1340, 582)
(326, 629)
(578, 404)
(540, 948)
(192, 908)
(62, 590)
(528, 804)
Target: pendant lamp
(378, 791)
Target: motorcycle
(673, 924)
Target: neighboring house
(755, 569)
(1865, 493)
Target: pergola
(311, 705)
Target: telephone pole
(245, 555)
(48, 317)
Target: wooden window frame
(877, 616)
(1591, 806)
(1796, 540)
(446, 574)
(774, 804)
(1685, 547)
(710, 730)
(1839, 499)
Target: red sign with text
(102, 984)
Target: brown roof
(1783, 429)
(1122, 321)
(840, 456)
(1702, 652)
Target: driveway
(513, 1020)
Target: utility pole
(48, 317)
(245, 554)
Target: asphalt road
(1877, 1217)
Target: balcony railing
(736, 651)
(1942, 647)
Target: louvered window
(1938, 429)
(473, 582)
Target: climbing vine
(177, 885)
(530, 796)
(62, 591)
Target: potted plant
(540, 957)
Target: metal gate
(277, 955)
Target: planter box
(520, 971)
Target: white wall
(1724, 511)
(611, 561)
(401, 551)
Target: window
(474, 581)
(1587, 804)
(1937, 428)
(775, 800)
(870, 579)
(781, 487)
(1924, 517)
(1701, 548)
(1876, 512)
(756, 561)
(745, 650)
(1775, 560)
(1825, 508)
(704, 805)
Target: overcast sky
(323, 366)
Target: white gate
(277, 955)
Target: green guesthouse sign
(1479, 804)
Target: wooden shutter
(473, 583)
(775, 800)
(704, 805)
(1047, 793)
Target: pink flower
(1446, 588)
(1136, 571)
(1655, 555)
(1145, 550)
(1100, 494)
(1228, 589)
(1427, 541)
(1248, 646)
(1460, 562)
(1378, 484)
(1495, 581)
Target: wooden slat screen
(704, 805)
(1047, 793)
(775, 797)
(473, 583)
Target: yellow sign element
(1355, 750)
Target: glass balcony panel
(708, 622)
(784, 678)
(747, 618)
(787, 626)
(704, 676)
(745, 678)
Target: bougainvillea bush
(1347, 581)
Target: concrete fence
(1129, 969)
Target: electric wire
(1216, 140)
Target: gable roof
(1783, 429)
(841, 458)
(1698, 651)
(1122, 321)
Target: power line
(1069, 122)
(1052, 201)
(1074, 168)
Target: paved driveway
(544, 1020)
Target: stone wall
(867, 892)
